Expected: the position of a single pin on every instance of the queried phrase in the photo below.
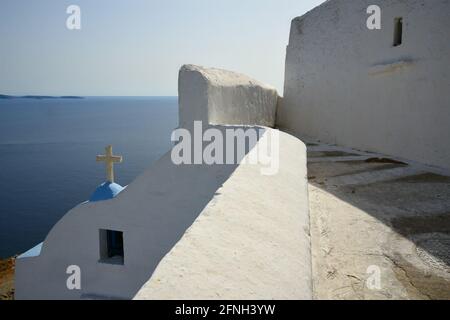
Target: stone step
(370, 177)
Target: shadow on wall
(152, 213)
(176, 195)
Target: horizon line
(85, 96)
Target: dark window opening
(111, 247)
(398, 31)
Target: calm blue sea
(48, 149)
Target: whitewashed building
(226, 231)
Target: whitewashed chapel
(229, 232)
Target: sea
(48, 151)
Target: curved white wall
(221, 97)
(153, 213)
(348, 85)
(250, 242)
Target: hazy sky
(136, 47)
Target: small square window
(111, 247)
(398, 31)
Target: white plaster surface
(221, 97)
(348, 85)
(250, 242)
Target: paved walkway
(371, 214)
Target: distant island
(4, 96)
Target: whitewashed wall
(221, 97)
(348, 85)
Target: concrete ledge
(250, 242)
(220, 97)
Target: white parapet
(221, 97)
(250, 242)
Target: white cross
(109, 159)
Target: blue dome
(106, 191)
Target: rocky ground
(375, 217)
(7, 279)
